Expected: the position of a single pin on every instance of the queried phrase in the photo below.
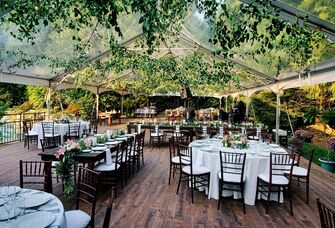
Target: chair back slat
(327, 215)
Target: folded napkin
(108, 157)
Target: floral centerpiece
(65, 165)
(118, 132)
(304, 135)
(231, 140)
(63, 120)
(85, 144)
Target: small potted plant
(328, 162)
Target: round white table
(60, 128)
(53, 206)
(207, 153)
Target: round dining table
(207, 153)
(60, 128)
(41, 209)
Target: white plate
(111, 140)
(4, 214)
(101, 144)
(35, 200)
(40, 219)
(128, 135)
(112, 143)
(122, 138)
(99, 148)
(86, 151)
(274, 145)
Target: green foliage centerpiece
(101, 139)
(65, 166)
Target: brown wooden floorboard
(148, 200)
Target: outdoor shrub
(328, 117)
(310, 115)
(304, 135)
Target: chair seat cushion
(231, 177)
(176, 160)
(32, 133)
(50, 135)
(298, 171)
(276, 179)
(104, 167)
(77, 219)
(54, 163)
(197, 170)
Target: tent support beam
(97, 106)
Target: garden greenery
(234, 25)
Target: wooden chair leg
(220, 193)
(307, 191)
(268, 199)
(171, 170)
(242, 194)
(192, 183)
(179, 183)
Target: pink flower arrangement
(60, 152)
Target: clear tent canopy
(27, 67)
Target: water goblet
(4, 191)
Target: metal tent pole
(277, 117)
(48, 102)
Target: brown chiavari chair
(174, 156)
(140, 148)
(203, 133)
(198, 176)
(296, 145)
(327, 215)
(29, 136)
(275, 179)
(73, 132)
(111, 174)
(231, 173)
(156, 137)
(36, 173)
(252, 133)
(87, 187)
(301, 175)
(108, 212)
(48, 129)
(126, 162)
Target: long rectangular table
(85, 158)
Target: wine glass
(9, 205)
(19, 205)
(4, 191)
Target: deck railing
(11, 125)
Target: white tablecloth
(60, 128)
(257, 161)
(54, 205)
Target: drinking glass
(4, 191)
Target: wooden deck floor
(148, 200)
